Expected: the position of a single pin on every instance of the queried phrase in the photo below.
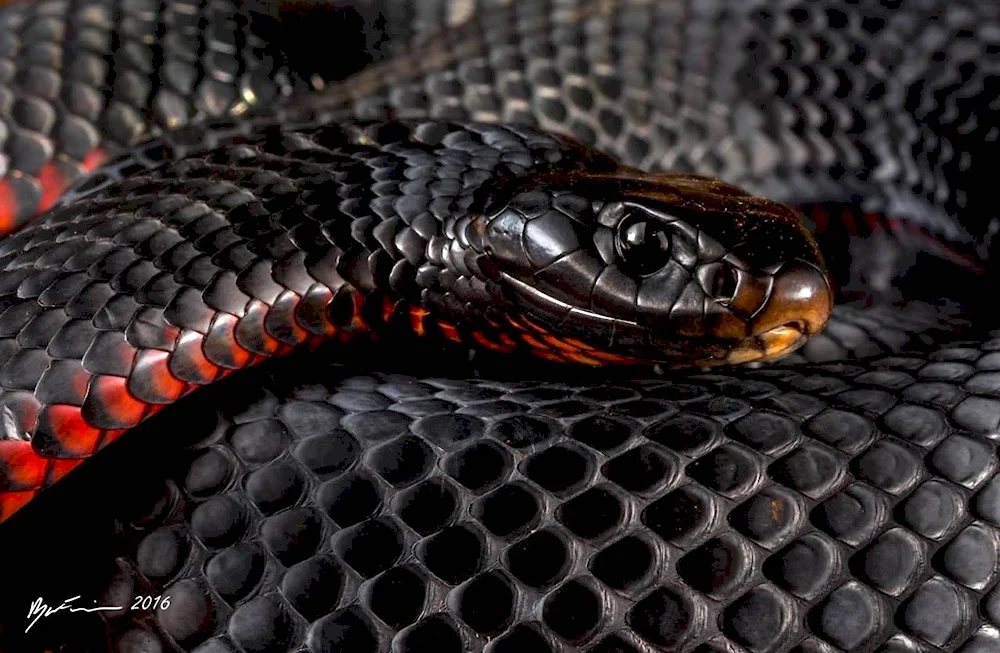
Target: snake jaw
(768, 345)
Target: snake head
(632, 267)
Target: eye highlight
(643, 244)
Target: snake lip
(558, 307)
(783, 339)
(770, 344)
(796, 307)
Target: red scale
(251, 333)
(66, 425)
(221, 346)
(151, 380)
(189, 362)
(110, 405)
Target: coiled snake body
(845, 506)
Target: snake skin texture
(850, 506)
(125, 300)
(807, 509)
(83, 80)
(797, 102)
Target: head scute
(675, 269)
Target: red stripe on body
(847, 218)
(905, 230)
(490, 344)
(114, 404)
(151, 379)
(417, 316)
(874, 221)
(94, 159)
(53, 185)
(111, 392)
(11, 502)
(222, 346)
(23, 469)
(449, 331)
(25, 472)
(358, 323)
(388, 309)
(61, 466)
(8, 207)
(67, 425)
(189, 362)
(941, 248)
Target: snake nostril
(724, 283)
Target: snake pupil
(643, 245)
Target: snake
(576, 189)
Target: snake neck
(404, 244)
(143, 289)
(186, 271)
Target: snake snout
(796, 304)
(799, 302)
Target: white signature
(41, 609)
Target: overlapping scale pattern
(80, 80)
(121, 302)
(797, 101)
(844, 507)
(819, 508)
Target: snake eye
(643, 244)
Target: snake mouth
(795, 306)
(779, 317)
(770, 344)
